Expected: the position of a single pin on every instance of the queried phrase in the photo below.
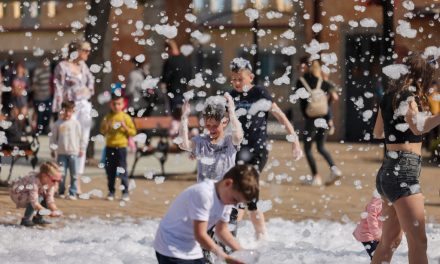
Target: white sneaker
(110, 197)
(72, 197)
(335, 175)
(125, 198)
(312, 181)
(62, 196)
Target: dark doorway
(362, 83)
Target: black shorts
(399, 175)
(258, 158)
(161, 259)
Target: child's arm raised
(186, 144)
(237, 130)
(207, 243)
(292, 137)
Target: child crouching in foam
(182, 232)
(35, 192)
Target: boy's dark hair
(239, 64)
(304, 60)
(116, 96)
(245, 181)
(214, 111)
(68, 105)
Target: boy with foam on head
(215, 150)
(253, 104)
(182, 232)
(117, 127)
(68, 144)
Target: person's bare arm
(186, 144)
(222, 232)
(237, 130)
(419, 123)
(207, 243)
(378, 127)
(282, 119)
(333, 96)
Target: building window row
(219, 6)
(31, 9)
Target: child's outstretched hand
(56, 213)
(186, 109)
(231, 260)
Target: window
(51, 8)
(238, 5)
(16, 9)
(2, 9)
(34, 9)
(260, 4)
(284, 5)
(198, 5)
(216, 6)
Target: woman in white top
(74, 82)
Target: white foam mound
(126, 240)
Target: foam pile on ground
(130, 241)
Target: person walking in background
(331, 100)
(68, 144)
(141, 99)
(402, 120)
(369, 229)
(117, 127)
(35, 192)
(254, 103)
(314, 93)
(8, 73)
(42, 93)
(176, 74)
(19, 93)
(74, 82)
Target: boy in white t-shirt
(182, 233)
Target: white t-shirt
(175, 235)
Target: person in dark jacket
(176, 73)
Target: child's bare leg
(78, 184)
(240, 214)
(257, 219)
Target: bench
(157, 126)
(16, 153)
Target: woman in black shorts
(402, 123)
